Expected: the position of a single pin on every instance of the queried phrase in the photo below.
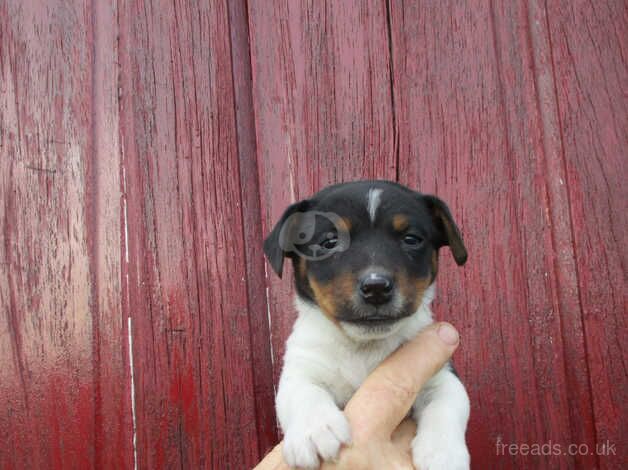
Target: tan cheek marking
(345, 286)
(404, 286)
(323, 294)
(330, 294)
(420, 285)
(413, 289)
(400, 222)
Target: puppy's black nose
(376, 289)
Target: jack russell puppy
(365, 257)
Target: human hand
(381, 403)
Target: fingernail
(448, 334)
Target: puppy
(365, 256)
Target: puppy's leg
(312, 423)
(441, 411)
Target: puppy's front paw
(438, 451)
(320, 434)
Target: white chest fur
(320, 352)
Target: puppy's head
(365, 252)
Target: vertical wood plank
(253, 234)
(323, 111)
(187, 287)
(64, 382)
(45, 328)
(579, 393)
(113, 419)
(590, 71)
(471, 131)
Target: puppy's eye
(412, 240)
(329, 243)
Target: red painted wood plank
(590, 71)
(466, 83)
(113, 419)
(574, 349)
(187, 286)
(253, 234)
(323, 110)
(59, 276)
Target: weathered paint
(146, 148)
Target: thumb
(387, 394)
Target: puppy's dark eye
(329, 243)
(412, 240)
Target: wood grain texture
(187, 287)
(111, 194)
(476, 119)
(62, 406)
(591, 74)
(323, 111)
(113, 419)
(470, 133)
(253, 233)
(480, 126)
(146, 149)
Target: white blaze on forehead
(373, 199)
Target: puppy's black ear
(448, 233)
(277, 245)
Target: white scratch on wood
(132, 395)
(126, 219)
(270, 339)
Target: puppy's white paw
(319, 435)
(438, 451)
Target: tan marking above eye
(345, 224)
(400, 222)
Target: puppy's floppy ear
(448, 232)
(276, 245)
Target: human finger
(387, 394)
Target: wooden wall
(146, 148)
